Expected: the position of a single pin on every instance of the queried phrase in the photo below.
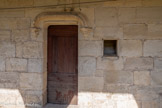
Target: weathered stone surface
(102, 19)
(35, 65)
(18, 3)
(89, 13)
(135, 31)
(7, 49)
(149, 14)
(155, 31)
(32, 50)
(86, 34)
(152, 3)
(127, 104)
(142, 78)
(20, 35)
(19, 49)
(90, 48)
(23, 23)
(31, 81)
(5, 35)
(156, 78)
(85, 99)
(117, 88)
(8, 23)
(150, 104)
(158, 63)
(99, 73)
(9, 98)
(109, 64)
(2, 64)
(138, 64)
(94, 84)
(35, 35)
(127, 15)
(12, 13)
(145, 94)
(153, 48)
(9, 80)
(87, 66)
(16, 64)
(103, 100)
(33, 98)
(108, 32)
(130, 48)
(47, 2)
(118, 77)
(133, 3)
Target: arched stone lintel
(60, 17)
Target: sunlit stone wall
(133, 79)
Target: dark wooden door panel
(62, 87)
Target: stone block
(135, 31)
(104, 19)
(99, 73)
(19, 49)
(156, 79)
(35, 65)
(47, 2)
(130, 48)
(20, 35)
(155, 31)
(85, 100)
(35, 35)
(117, 88)
(150, 104)
(32, 50)
(127, 104)
(2, 64)
(150, 3)
(9, 80)
(87, 66)
(7, 49)
(138, 64)
(108, 32)
(158, 63)
(5, 35)
(90, 48)
(103, 100)
(86, 34)
(132, 3)
(8, 23)
(12, 13)
(18, 3)
(127, 15)
(33, 98)
(149, 14)
(16, 64)
(118, 77)
(31, 81)
(142, 78)
(89, 15)
(153, 48)
(95, 84)
(145, 94)
(109, 64)
(23, 23)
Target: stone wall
(130, 80)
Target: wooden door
(62, 78)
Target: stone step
(60, 106)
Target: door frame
(39, 30)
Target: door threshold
(49, 105)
